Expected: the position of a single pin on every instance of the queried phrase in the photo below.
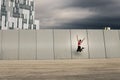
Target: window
(31, 8)
(31, 17)
(3, 2)
(22, 16)
(12, 25)
(16, 1)
(34, 27)
(12, 0)
(27, 2)
(13, 4)
(25, 16)
(24, 2)
(17, 22)
(5, 20)
(9, 3)
(14, 10)
(0, 25)
(21, 1)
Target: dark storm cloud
(78, 13)
(91, 3)
(94, 23)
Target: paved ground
(99, 69)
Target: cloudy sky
(78, 14)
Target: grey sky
(67, 14)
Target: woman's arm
(77, 37)
(83, 39)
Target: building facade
(18, 14)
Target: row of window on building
(17, 14)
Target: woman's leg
(80, 49)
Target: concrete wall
(58, 44)
(45, 44)
(96, 44)
(112, 42)
(10, 45)
(62, 45)
(27, 45)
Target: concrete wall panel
(112, 43)
(81, 34)
(10, 45)
(45, 44)
(96, 44)
(28, 47)
(62, 47)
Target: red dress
(79, 43)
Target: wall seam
(53, 44)
(71, 44)
(104, 44)
(18, 43)
(1, 45)
(36, 43)
(88, 44)
(119, 34)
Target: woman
(79, 49)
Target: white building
(17, 14)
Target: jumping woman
(79, 49)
